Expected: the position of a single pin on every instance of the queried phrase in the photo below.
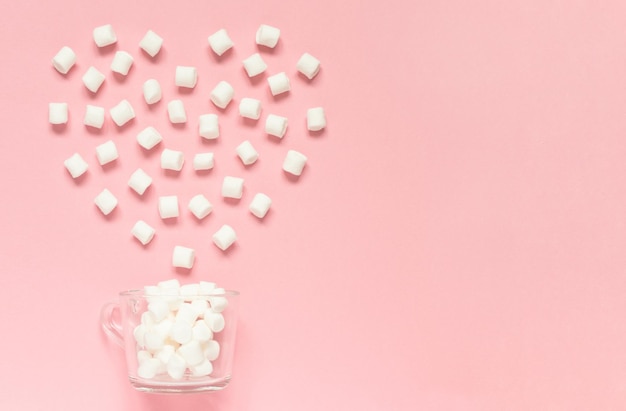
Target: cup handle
(110, 327)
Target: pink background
(456, 241)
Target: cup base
(183, 387)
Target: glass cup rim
(141, 293)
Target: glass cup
(154, 345)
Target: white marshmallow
(181, 332)
(260, 205)
(200, 206)
(183, 256)
(208, 126)
(294, 162)
(200, 306)
(279, 83)
(169, 292)
(93, 79)
(217, 301)
(315, 119)
(191, 352)
(176, 367)
(203, 161)
(165, 353)
(176, 111)
(250, 108)
(139, 181)
(121, 63)
(94, 116)
(147, 320)
(186, 76)
(220, 42)
(159, 310)
(276, 125)
(189, 290)
(222, 94)
(205, 288)
(172, 159)
(186, 313)
(153, 340)
(202, 370)
(143, 355)
(64, 60)
(57, 113)
(106, 152)
(149, 137)
(122, 113)
(267, 36)
(104, 35)
(164, 327)
(247, 153)
(232, 187)
(201, 331)
(151, 43)
(76, 165)
(211, 350)
(308, 65)
(224, 237)
(106, 201)
(151, 290)
(138, 333)
(151, 91)
(168, 207)
(143, 232)
(254, 65)
(171, 287)
(149, 368)
(215, 321)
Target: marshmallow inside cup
(182, 327)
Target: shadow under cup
(143, 338)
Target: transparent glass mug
(127, 331)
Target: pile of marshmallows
(176, 332)
(208, 128)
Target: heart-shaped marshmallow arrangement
(208, 127)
